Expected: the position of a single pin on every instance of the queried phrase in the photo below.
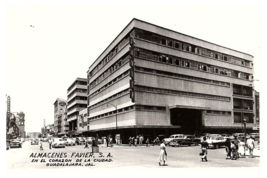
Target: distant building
(61, 125)
(77, 101)
(20, 121)
(151, 80)
(33, 134)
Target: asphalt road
(122, 156)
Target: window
(163, 58)
(163, 41)
(177, 62)
(170, 60)
(170, 43)
(177, 45)
(186, 64)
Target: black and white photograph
(134, 87)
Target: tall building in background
(151, 80)
(77, 101)
(33, 134)
(60, 117)
(20, 121)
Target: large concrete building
(20, 121)
(151, 80)
(77, 99)
(61, 125)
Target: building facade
(257, 102)
(151, 80)
(82, 125)
(77, 99)
(20, 121)
(33, 134)
(61, 125)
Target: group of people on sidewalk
(231, 147)
(236, 148)
(138, 140)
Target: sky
(40, 63)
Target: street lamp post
(115, 106)
(244, 122)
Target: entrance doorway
(190, 120)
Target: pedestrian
(234, 153)
(50, 143)
(41, 146)
(157, 141)
(110, 142)
(251, 146)
(236, 142)
(107, 140)
(147, 142)
(130, 141)
(104, 141)
(86, 144)
(228, 147)
(140, 140)
(162, 154)
(137, 137)
(135, 142)
(204, 146)
(242, 149)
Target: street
(120, 156)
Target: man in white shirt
(251, 145)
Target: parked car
(70, 142)
(175, 143)
(174, 136)
(58, 142)
(34, 141)
(225, 135)
(80, 141)
(256, 136)
(20, 140)
(189, 140)
(15, 143)
(216, 141)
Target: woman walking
(162, 153)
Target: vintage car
(175, 143)
(172, 137)
(58, 142)
(34, 141)
(216, 141)
(256, 136)
(69, 141)
(189, 140)
(15, 143)
(80, 141)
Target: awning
(189, 107)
